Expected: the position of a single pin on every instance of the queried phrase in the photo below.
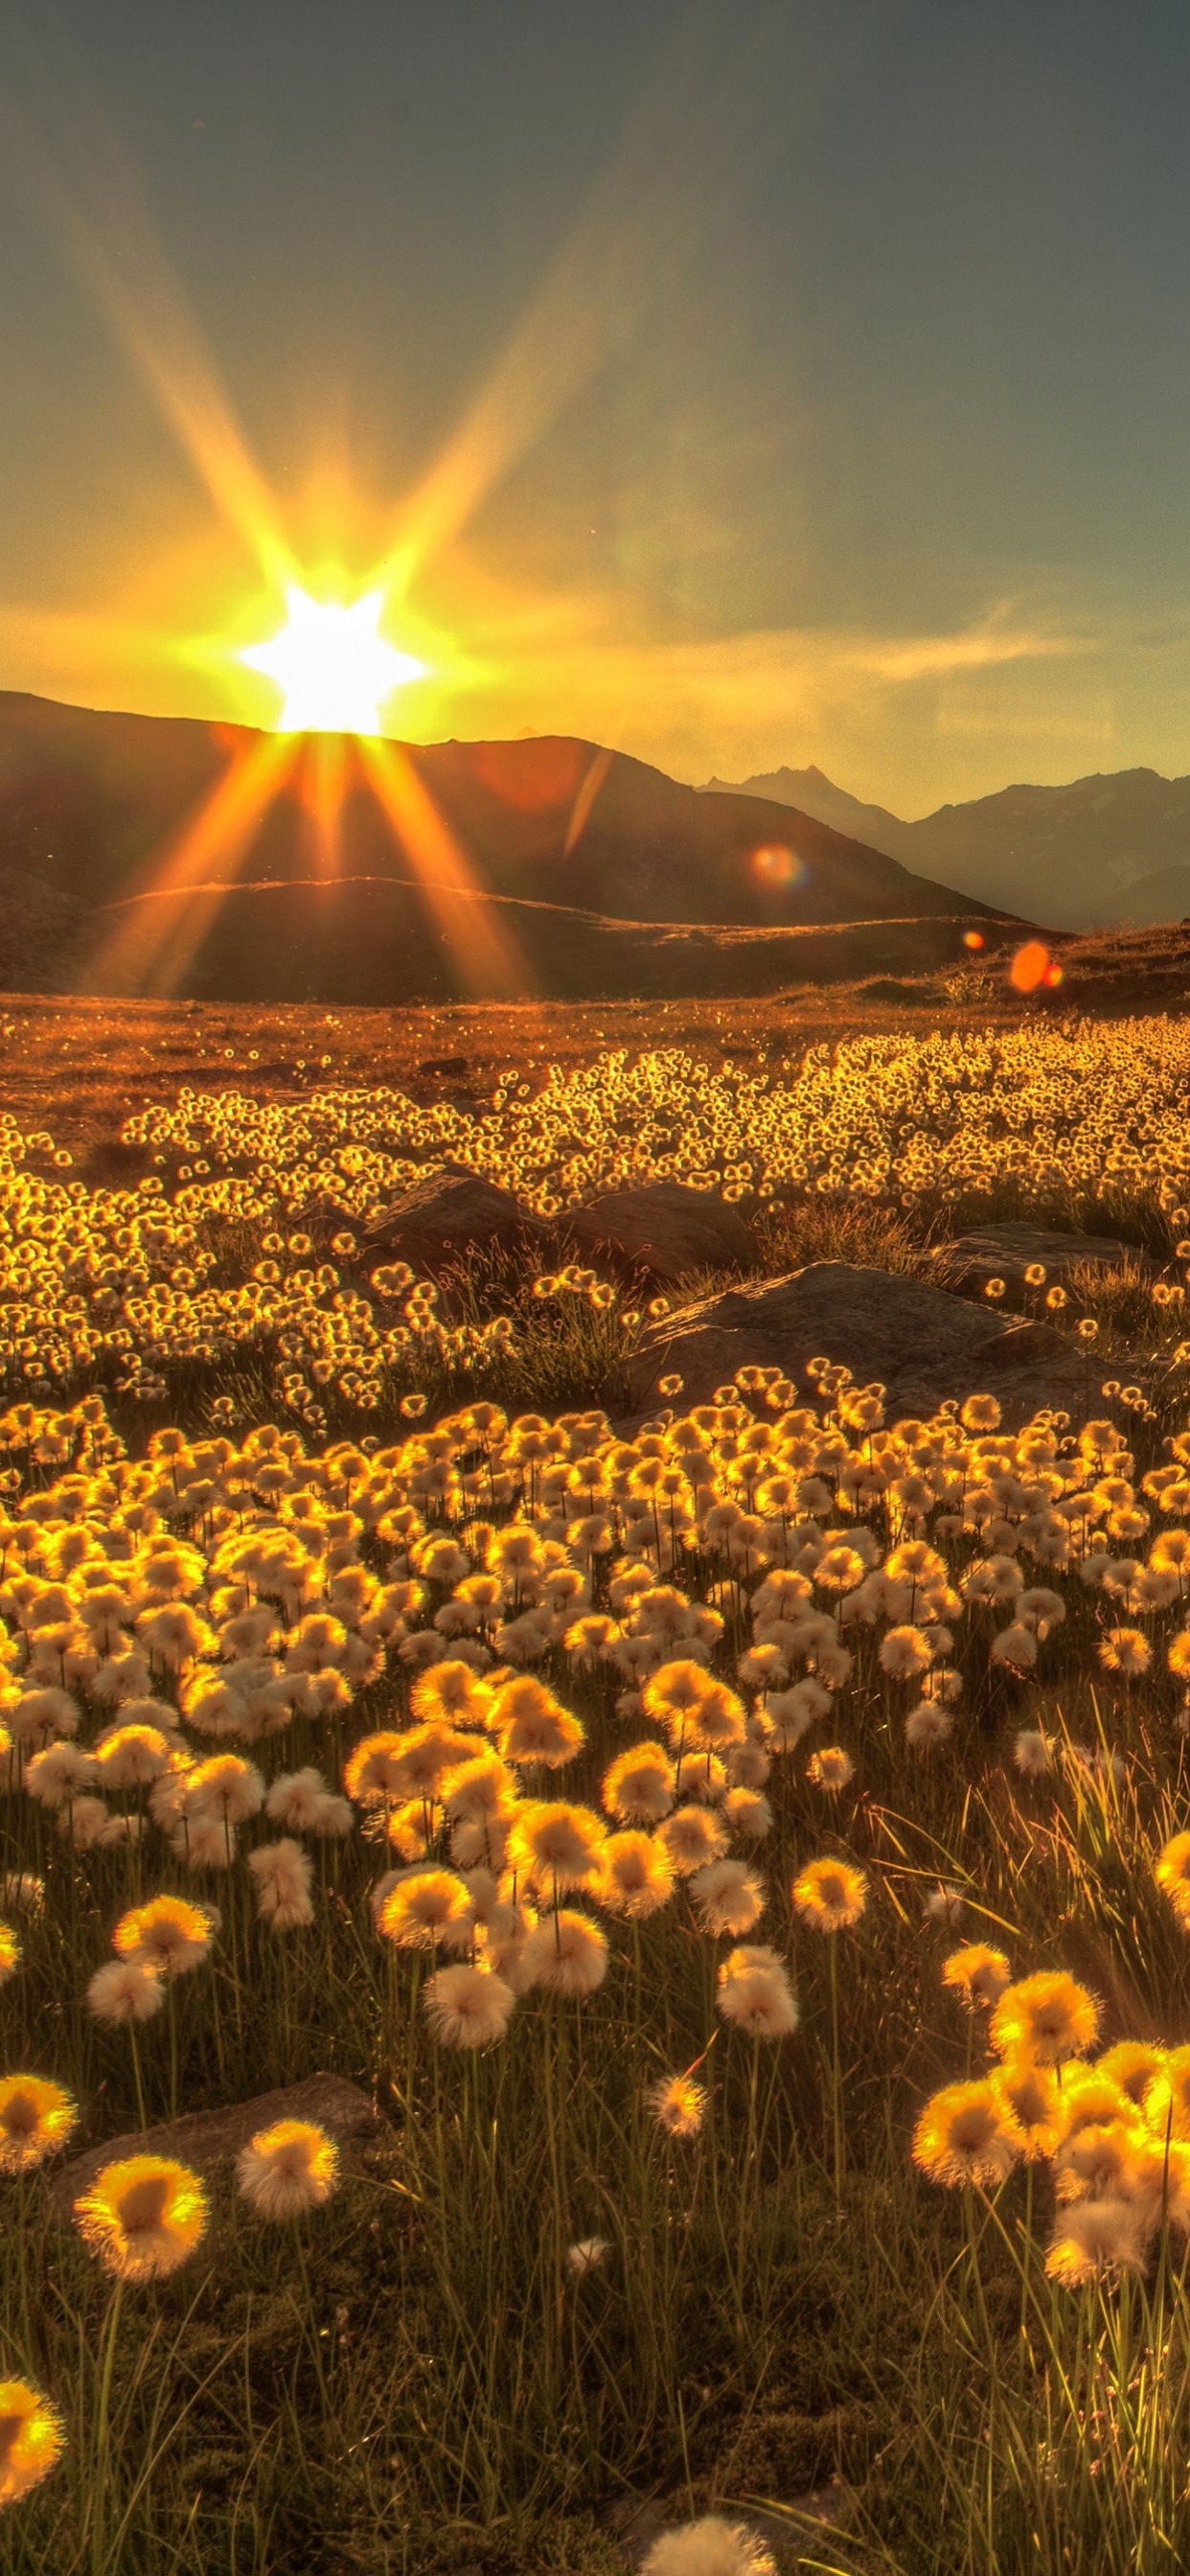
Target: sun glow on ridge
(334, 668)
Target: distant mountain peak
(1081, 853)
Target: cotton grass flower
(1171, 1870)
(1029, 2101)
(469, 2007)
(977, 1974)
(830, 1895)
(532, 1726)
(143, 2216)
(1046, 2018)
(1132, 2064)
(638, 1787)
(928, 1725)
(1032, 1753)
(754, 1992)
(1093, 2238)
(962, 2137)
(168, 1935)
(904, 1653)
(225, 1788)
(36, 2118)
(284, 1876)
(636, 1875)
(1166, 2099)
(678, 2105)
(1015, 1647)
(556, 1844)
(1126, 1652)
(288, 2169)
(588, 2255)
(832, 1769)
(566, 1952)
(63, 1772)
(711, 2547)
(31, 2439)
(125, 1990)
(727, 1897)
(426, 1906)
(692, 1838)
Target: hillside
(1099, 846)
(131, 860)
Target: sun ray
(482, 945)
(63, 153)
(157, 928)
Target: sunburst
(334, 668)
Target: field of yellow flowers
(742, 1856)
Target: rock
(204, 2138)
(666, 1231)
(922, 1343)
(448, 1212)
(1007, 1251)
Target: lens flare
(973, 939)
(777, 866)
(334, 668)
(1031, 967)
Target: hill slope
(135, 855)
(1087, 844)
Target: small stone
(203, 2138)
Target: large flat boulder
(664, 1232)
(445, 1214)
(1007, 1251)
(920, 1342)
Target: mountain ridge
(99, 809)
(1101, 841)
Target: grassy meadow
(740, 1854)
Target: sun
(333, 666)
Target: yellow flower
(143, 2216)
(31, 2439)
(10, 1953)
(36, 2118)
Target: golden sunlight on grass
(334, 668)
(736, 1860)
